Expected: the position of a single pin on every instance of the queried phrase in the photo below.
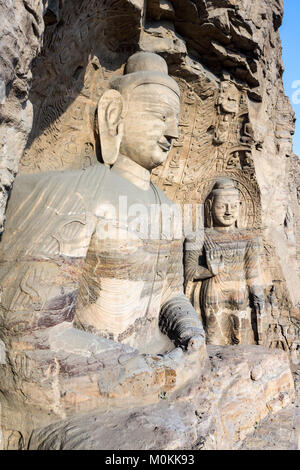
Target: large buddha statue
(226, 261)
(87, 276)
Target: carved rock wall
(235, 119)
(22, 27)
(227, 56)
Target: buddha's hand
(195, 343)
(180, 322)
(189, 338)
(215, 262)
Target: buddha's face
(225, 209)
(150, 125)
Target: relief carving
(90, 274)
(98, 343)
(227, 264)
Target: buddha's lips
(164, 147)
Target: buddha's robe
(68, 251)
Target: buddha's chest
(134, 235)
(128, 256)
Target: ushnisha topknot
(144, 68)
(143, 61)
(224, 185)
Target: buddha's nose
(171, 131)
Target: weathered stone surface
(223, 265)
(90, 266)
(214, 412)
(22, 28)
(280, 431)
(236, 122)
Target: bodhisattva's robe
(225, 298)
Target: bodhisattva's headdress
(142, 68)
(222, 186)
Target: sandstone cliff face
(208, 46)
(235, 121)
(240, 42)
(22, 28)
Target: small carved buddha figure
(227, 262)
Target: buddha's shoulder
(164, 199)
(95, 171)
(68, 181)
(37, 192)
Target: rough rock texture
(235, 118)
(22, 28)
(235, 122)
(277, 432)
(240, 386)
(74, 373)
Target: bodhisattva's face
(150, 125)
(225, 210)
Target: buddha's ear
(110, 109)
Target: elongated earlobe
(110, 109)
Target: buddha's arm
(178, 318)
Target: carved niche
(215, 140)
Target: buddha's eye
(161, 116)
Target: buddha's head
(223, 204)
(138, 115)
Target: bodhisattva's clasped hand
(215, 262)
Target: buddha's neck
(133, 172)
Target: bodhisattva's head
(223, 205)
(138, 116)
